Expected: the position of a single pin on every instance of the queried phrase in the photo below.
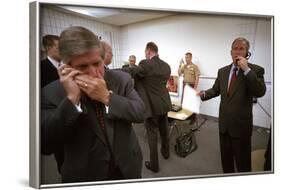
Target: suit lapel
(109, 83)
(226, 77)
(51, 66)
(109, 123)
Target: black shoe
(165, 153)
(149, 166)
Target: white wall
(209, 38)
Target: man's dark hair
(242, 40)
(76, 40)
(188, 53)
(49, 40)
(152, 46)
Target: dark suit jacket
(235, 113)
(151, 76)
(86, 155)
(127, 66)
(48, 72)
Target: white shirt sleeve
(247, 71)
(106, 109)
(78, 107)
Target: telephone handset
(247, 57)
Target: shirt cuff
(247, 71)
(202, 94)
(78, 107)
(106, 109)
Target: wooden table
(182, 115)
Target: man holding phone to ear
(237, 84)
(89, 111)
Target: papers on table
(191, 101)
(181, 116)
(177, 115)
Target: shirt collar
(54, 62)
(234, 66)
(154, 56)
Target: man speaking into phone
(237, 84)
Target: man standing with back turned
(151, 77)
(237, 84)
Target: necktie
(99, 113)
(232, 81)
(99, 109)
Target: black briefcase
(186, 143)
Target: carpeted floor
(204, 161)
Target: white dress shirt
(231, 71)
(55, 63)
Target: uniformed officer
(191, 74)
(190, 71)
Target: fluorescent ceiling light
(91, 11)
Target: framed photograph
(79, 139)
(173, 85)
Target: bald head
(106, 53)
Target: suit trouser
(152, 125)
(235, 150)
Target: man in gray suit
(151, 76)
(132, 62)
(237, 84)
(89, 111)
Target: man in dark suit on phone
(50, 64)
(151, 76)
(237, 84)
(49, 73)
(89, 111)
